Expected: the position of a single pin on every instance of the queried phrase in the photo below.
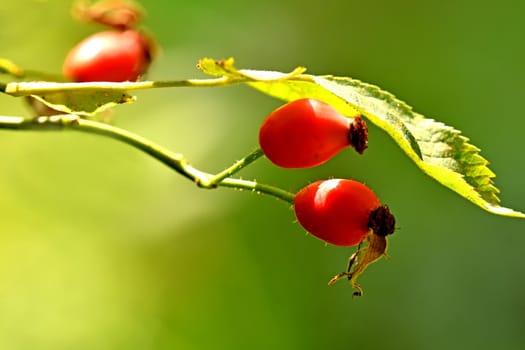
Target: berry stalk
(175, 161)
(23, 88)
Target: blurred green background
(102, 247)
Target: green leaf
(9, 67)
(70, 98)
(438, 150)
(84, 103)
(226, 68)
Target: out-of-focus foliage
(104, 248)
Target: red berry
(109, 56)
(342, 212)
(307, 132)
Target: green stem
(258, 188)
(42, 88)
(175, 161)
(236, 167)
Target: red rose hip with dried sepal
(346, 213)
(307, 132)
(114, 56)
(342, 212)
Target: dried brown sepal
(117, 14)
(361, 259)
(382, 221)
(358, 134)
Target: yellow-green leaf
(438, 150)
(70, 98)
(84, 103)
(9, 67)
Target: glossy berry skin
(337, 210)
(303, 133)
(109, 56)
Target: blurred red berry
(114, 56)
